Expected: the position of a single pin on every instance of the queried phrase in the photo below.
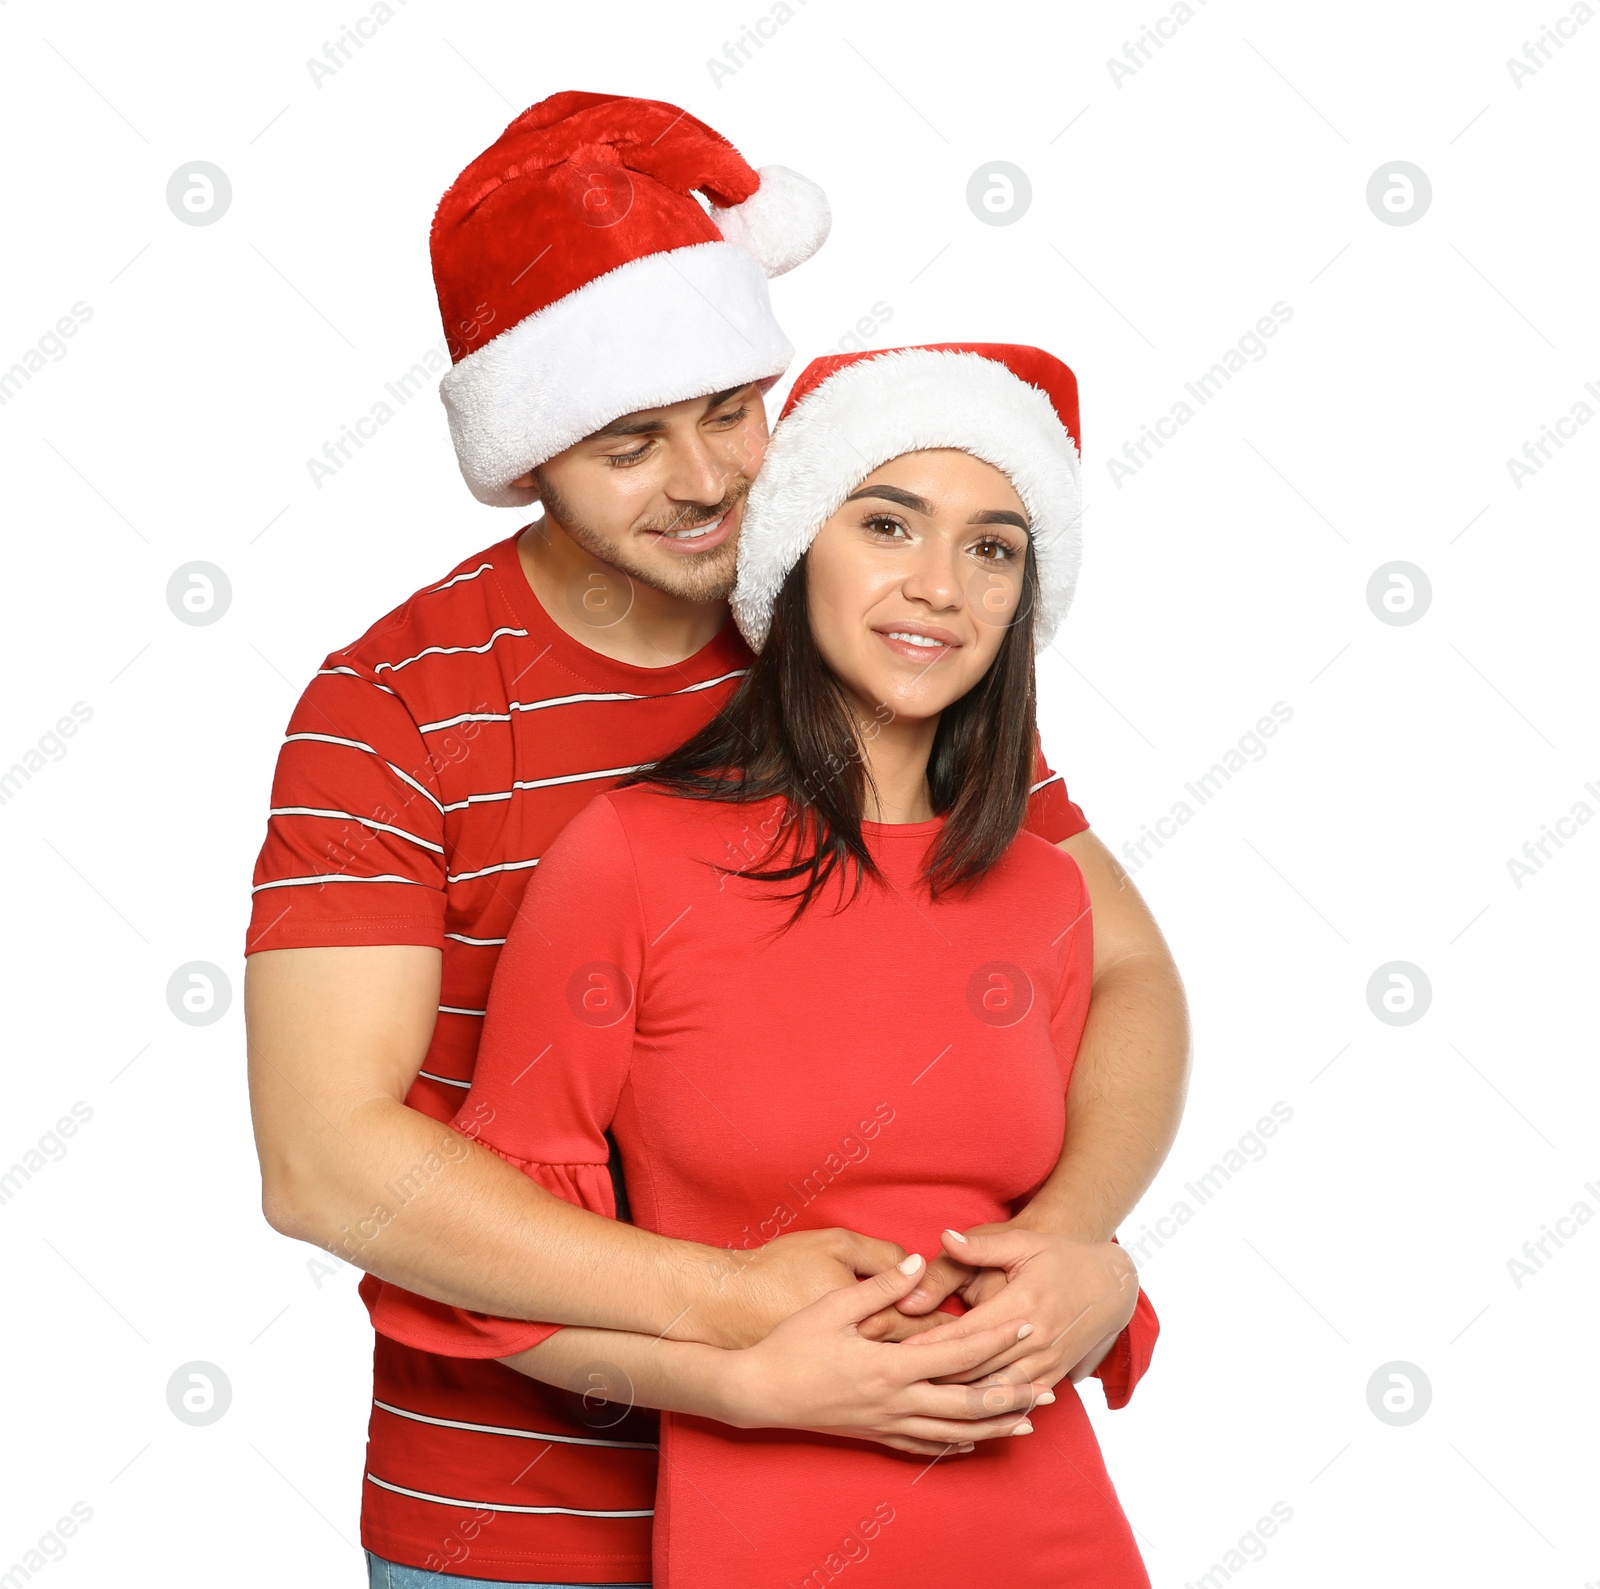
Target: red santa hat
(850, 413)
(580, 278)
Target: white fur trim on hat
(783, 223)
(660, 329)
(880, 408)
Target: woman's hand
(816, 1371)
(1078, 1295)
(751, 1292)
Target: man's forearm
(625, 1369)
(414, 1202)
(1124, 1101)
(336, 1038)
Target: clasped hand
(842, 1333)
(1077, 1295)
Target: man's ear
(526, 483)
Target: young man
(611, 341)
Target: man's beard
(707, 576)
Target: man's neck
(606, 611)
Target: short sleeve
(1051, 813)
(354, 852)
(557, 1043)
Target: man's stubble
(707, 576)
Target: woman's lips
(917, 645)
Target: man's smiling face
(659, 494)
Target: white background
(1169, 212)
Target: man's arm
(336, 1038)
(815, 1371)
(1131, 1076)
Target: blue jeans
(383, 1574)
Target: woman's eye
(885, 526)
(995, 551)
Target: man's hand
(1078, 1295)
(817, 1371)
(762, 1287)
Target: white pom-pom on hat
(783, 223)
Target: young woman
(809, 971)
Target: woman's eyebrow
(904, 499)
(909, 499)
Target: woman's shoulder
(664, 827)
(1036, 887)
(628, 843)
(1035, 858)
(647, 807)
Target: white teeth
(915, 639)
(694, 534)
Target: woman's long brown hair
(789, 731)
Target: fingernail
(1023, 1428)
(955, 1235)
(910, 1263)
(1023, 1333)
(1045, 1400)
(969, 1446)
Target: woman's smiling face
(912, 584)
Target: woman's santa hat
(580, 279)
(850, 413)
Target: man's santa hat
(580, 279)
(850, 413)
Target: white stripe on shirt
(357, 744)
(448, 651)
(350, 816)
(495, 1506)
(323, 673)
(318, 878)
(543, 783)
(1054, 777)
(456, 579)
(509, 866)
(449, 1081)
(477, 943)
(575, 700)
(515, 1434)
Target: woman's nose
(934, 576)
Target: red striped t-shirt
(426, 769)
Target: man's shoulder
(441, 613)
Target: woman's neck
(895, 755)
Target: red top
(427, 768)
(894, 1066)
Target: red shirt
(893, 1067)
(426, 770)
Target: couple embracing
(677, 980)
